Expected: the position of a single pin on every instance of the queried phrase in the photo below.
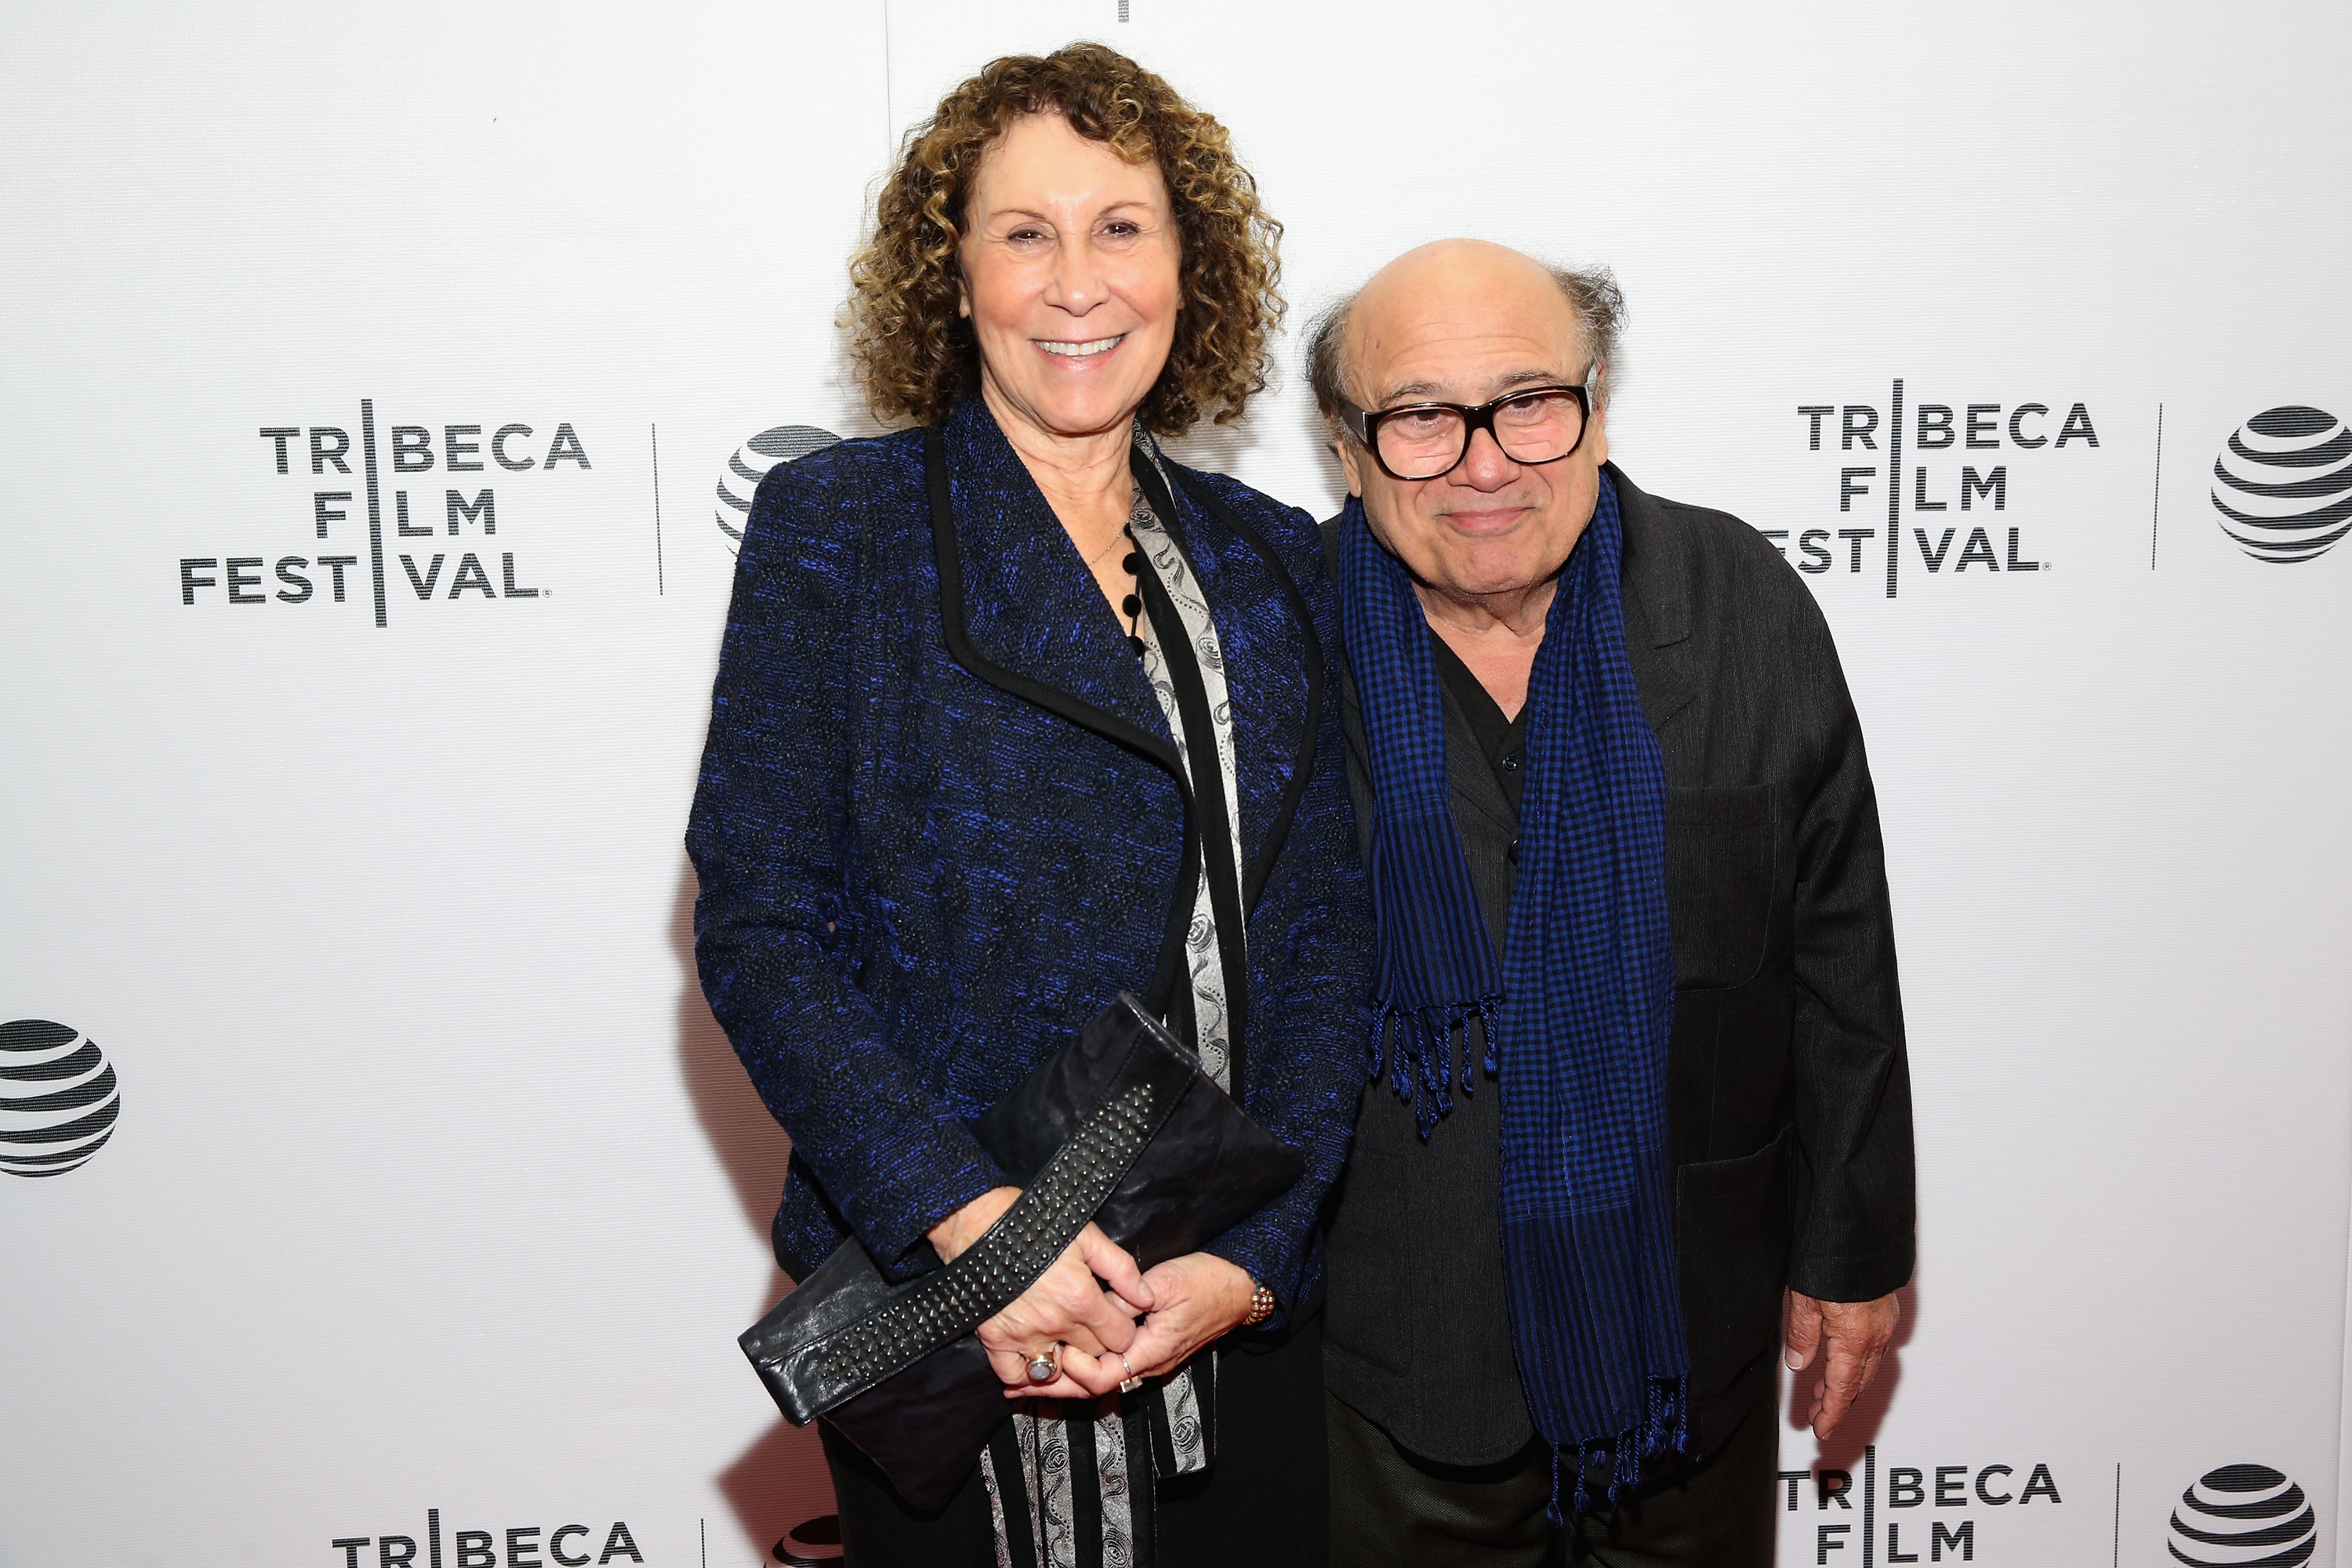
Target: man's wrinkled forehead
(1456, 342)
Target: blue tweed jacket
(921, 873)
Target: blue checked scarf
(1577, 1014)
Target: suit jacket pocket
(1731, 1225)
(1720, 865)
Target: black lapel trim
(1013, 1495)
(1213, 812)
(1310, 649)
(956, 628)
(1077, 710)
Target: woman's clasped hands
(1083, 1312)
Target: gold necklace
(1115, 539)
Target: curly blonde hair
(915, 354)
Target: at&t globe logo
(58, 1099)
(750, 465)
(2243, 1514)
(2283, 484)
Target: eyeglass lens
(1422, 443)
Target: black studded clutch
(1120, 1127)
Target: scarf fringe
(1420, 1065)
(1663, 1428)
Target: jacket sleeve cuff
(1258, 1249)
(1852, 1277)
(896, 1190)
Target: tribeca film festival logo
(58, 1099)
(750, 465)
(1881, 1528)
(565, 1545)
(323, 455)
(2283, 485)
(2242, 1515)
(1956, 490)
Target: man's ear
(1599, 435)
(1350, 457)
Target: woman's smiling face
(1071, 278)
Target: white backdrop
(434, 1188)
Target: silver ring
(1132, 1382)
(1043, 1367)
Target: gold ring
(1043, 1367)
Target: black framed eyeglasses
(1427, 440)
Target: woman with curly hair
(1014, 713)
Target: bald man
(1641, 1116)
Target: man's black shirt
(1505, 740)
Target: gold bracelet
(1261, 1305)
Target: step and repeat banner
(384, 393)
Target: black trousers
(1263, 1504)
(1388, 1506)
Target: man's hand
(1857, 1333)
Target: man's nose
(1485, 465)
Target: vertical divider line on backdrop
(375, 505)
(1894, 487)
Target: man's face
(1466, 322)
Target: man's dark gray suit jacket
(1789, 1100)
